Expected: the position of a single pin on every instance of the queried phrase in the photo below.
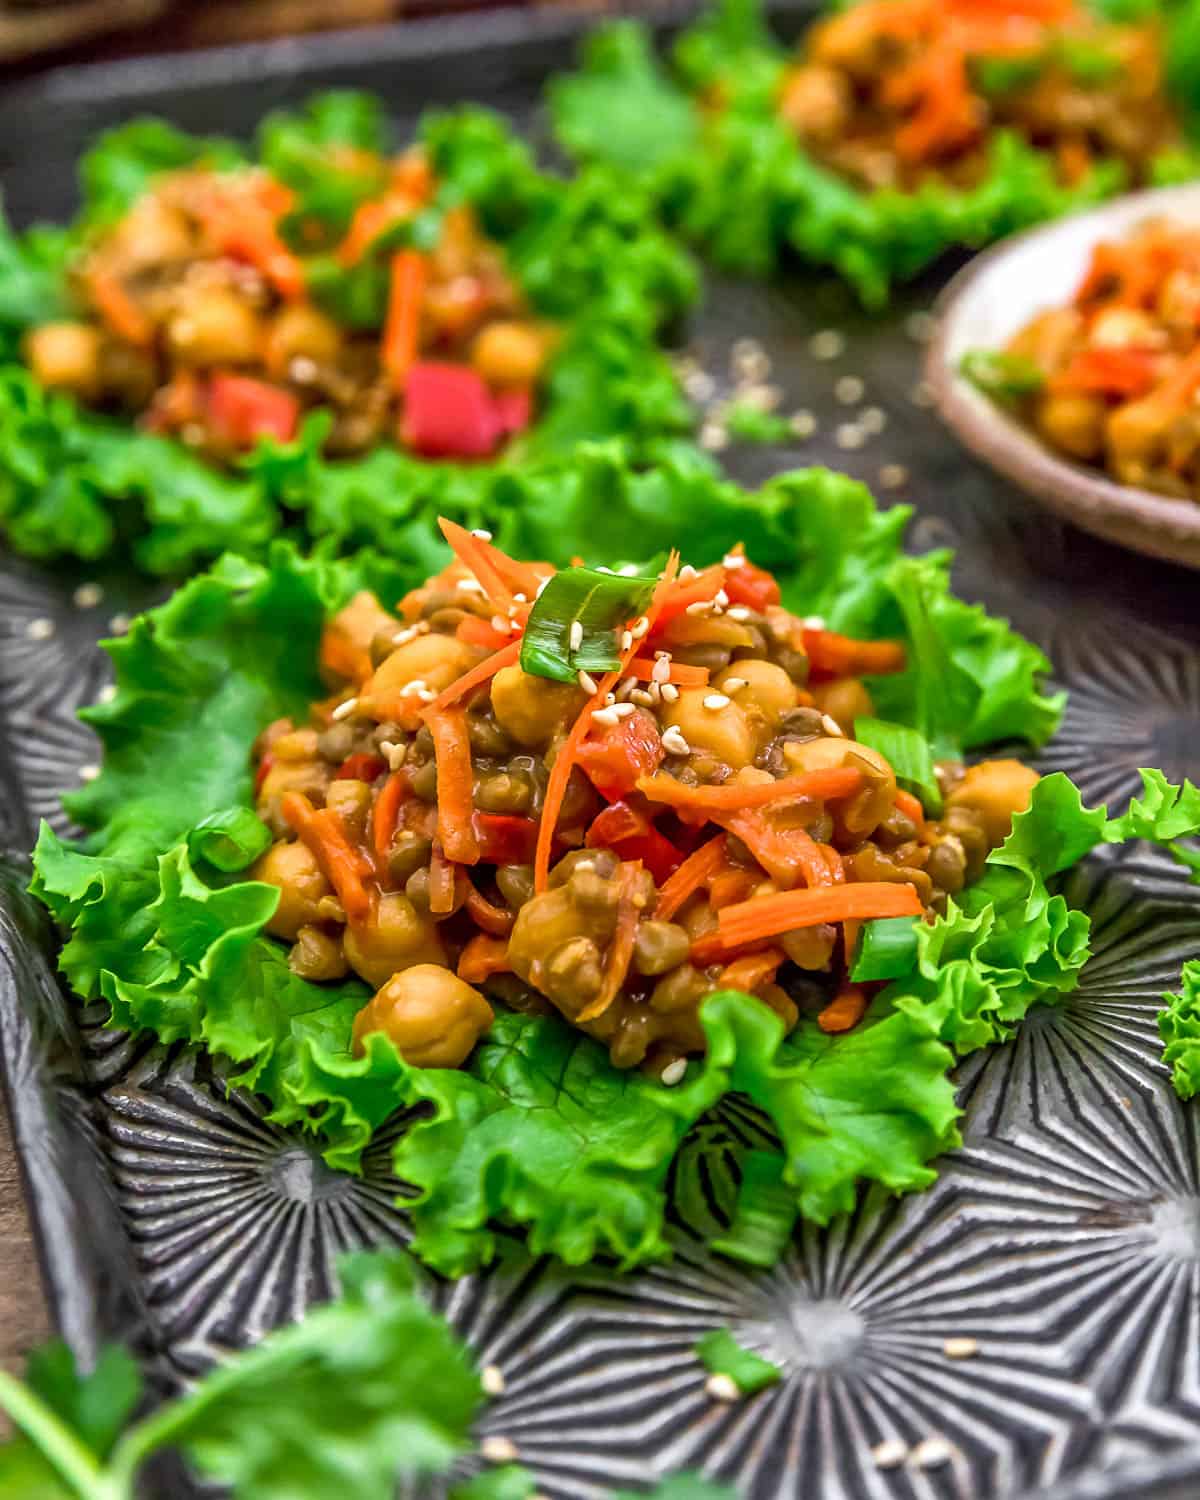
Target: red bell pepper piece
(242, 410)
(631, 835)
(449, 412)
(751, 586)
(614, 760)
(1110, 372)
(514, 409)
(361, 767)
(504, 839)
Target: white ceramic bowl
(985, 305)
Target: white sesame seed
(87, 596)
(813, 622)
(402, 637)
(721, 598)
(803, 423)
(586, 681)
(738, 612)
(576, 635)
(639, 627)
(107, 693)
(889, 1454)
(627, 640)
(639, 695)
(849, 390)
(931, 1453)
(520, 599)
(88, 772)
(873, 419)
(491, 1377)
(622, 710)
(722, 1388)
(669, 692)
(893, 476)
(828, 344)
(660, 672)
(832, 727)
(716, 702)
(469, 586)
(920, 327)
(427, 695)
(498, 1450)
(393, 753)
(40, 629)
(713, 437)
(484, 536)
(673, 1072)
(733, 684)
(674, 743)
(699, 385)
(960, 1348)
(701, 607)
(503, 625)
(344, 710)
(606, 716)
(733, 560)
(302, 369)
(414, 689)
(686, 572)
(922, 394)
(849, 435)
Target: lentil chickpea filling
(892, 93)
(458, 830)
(197, 315)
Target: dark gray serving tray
(1064, 1236)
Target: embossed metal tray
(1064, 1236)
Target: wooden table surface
(23, 1319)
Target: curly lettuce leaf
(122, 163)
(1179, 1027)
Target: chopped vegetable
(886, 949)
(402, 331)
(243, 410)
(824, 785)
(455, 800)
(766, 916)
(575, 623)
(631, 836)
(908, 754)
(324, 835)
(698, 868)
(385, 815)
(229, 840)
(622, 756)
(721, 1354)
(844, 1011)
(448, 412)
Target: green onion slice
(573, 626)
(1004, 377)
(907, 752)
(230, 839)
(721, 1354)
(887, 949)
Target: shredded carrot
(620, 947)
(642, 667)
(443, 882)
(497, 920)
(369, 222)
(483, 956)
(911, 807)
(560, 773)
(342, 657)
(477, 632)
(402, 329)
(833, 655)
(241, 217)
(825, 785)
(786, 853)
(455, 797)
(386, 812)
(845, 1010)
(695, 590)
(728, 886)
(763, 917)
(751, 971)
(476, 677)
(476, 556)
(696, 869)
(837, 869)
(118, 309)
(323, 833)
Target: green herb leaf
(1179, 1027)
(887, 949)
(229, 840)
(1004, 377)
(721, 1354)
(575, 621)
(765, 1213)
(508, 1482)
(907, 751)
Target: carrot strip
(825, 785)
(642, 667)
(784, 853)
(386, 812)
(402, 330)
(443, 880)
(844, 1011)
(764, 917)
(620, 947)
(837, 870)
(833, 655)
(118, 309)
(476, 556)
(911, 807)
(455, 793)
(728, 886)
(484, 672)
(324, 835)
(340, 656)
(560, 773)
(497, 920)
(696, 869)
(751, 971)
(483, 956)
(477, 632)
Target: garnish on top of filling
(198, 315)
(891, 92)
(605, 794)
(1113, 379)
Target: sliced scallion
(887, 949)
(907, 752)
(230, 839)
(1004, 377)
(599, 604)
(721, 1354)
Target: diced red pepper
(751, 586)
(504, 839)
(614, 760)
(631, 835)
(242, 410)
(1110, 372)
(361, 767)
(449, 412)
(514, 409)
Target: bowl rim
(1133, 517)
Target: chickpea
(435, 660)
(351, 800)
(844, 700)
(532, 710)
(508, 354)
(395, 937)
(294, 871)
(360, 621)
(809, 947)
(65, 357)
(1136, 432)
(214, 326)
(310, 777)
(152, 233)
(302, 331)
(572, 975)
(317, 956)
(1179, 300)
(769, 692)
(433, 1017)
(816, 102)
(659, 946)
(867, 808)
(1124, 328)
(543, 924)
(1075, 424)
(726, 732)
(995, 789)
(1049, 339)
